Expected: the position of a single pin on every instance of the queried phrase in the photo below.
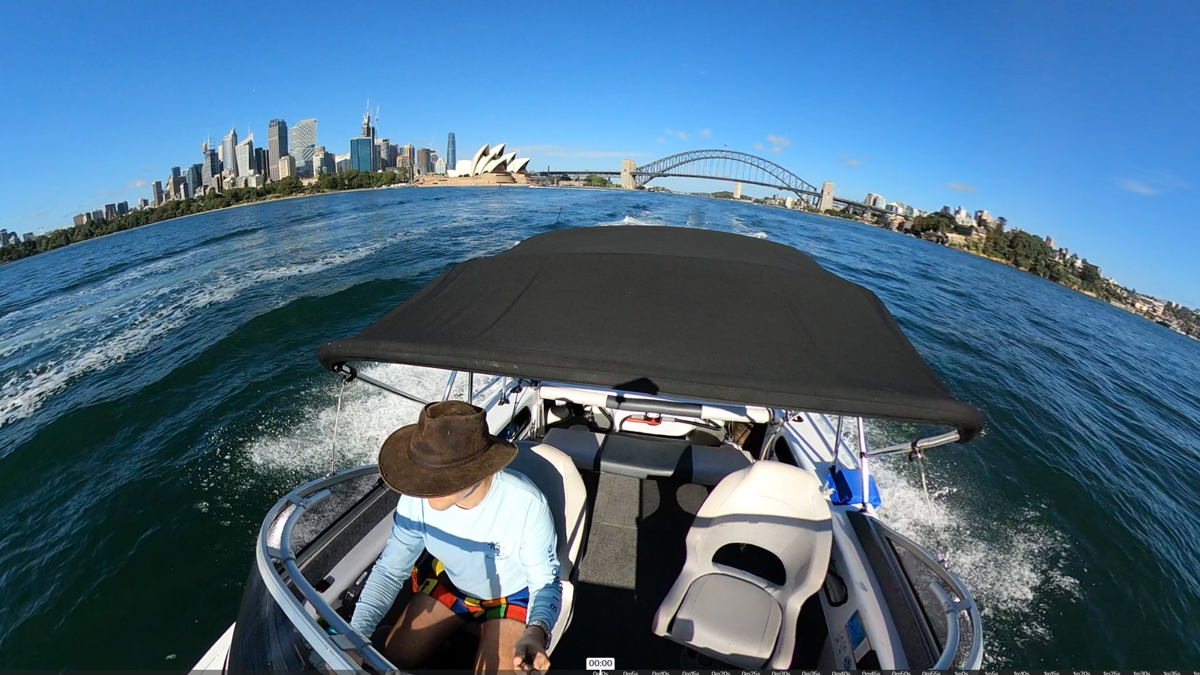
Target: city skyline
(1071, 122)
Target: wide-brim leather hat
(447, 450)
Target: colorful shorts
(429, 577)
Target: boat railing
(956, 603)
(274, 544)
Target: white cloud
(781, 141)
(706, 133)
(758, 146)
(961, 187)
(1137, 187)
(682, 135)
(776, 149)
(137, 183)
(661, 139)
(852, 162)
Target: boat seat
(555, 475)
(644, 457)
(745, 615)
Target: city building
(875, 201)
(323, 162)
(122, 208)
(362, 154)
(229, 152)
(277, 145)
(983, 216)
(98, 216)
(439, 167)
(1050, 242)
(210, 165)
(341, 163)
(451, 150)
(422, 165)
(194, 177)
(262, 161)
(384, 149)
(410, 156)
(157, 191)
(143, 203)
(287, 166)
(81, 218)
(29, 238)
(245, 157)
(303, 139)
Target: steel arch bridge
(726, 165)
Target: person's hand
(529, 653)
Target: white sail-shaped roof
(479, 154)
(518, 165)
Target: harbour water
(159, 391)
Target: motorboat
(692, 404)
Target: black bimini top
(694, 314)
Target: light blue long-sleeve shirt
(493, 550)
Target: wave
(104, 332)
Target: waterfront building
(341, 163)
(143, 203)
(422, 163)
(362, 154)
(303, 139)
(439, 167)
(984, 217)
(874, 200)
(157, 191)
(1050, 241)
(175, 173)
(287, 166)
(410, 156)
(963, 216)
(451, 151)
(947, 209)
(245, 157)
(323, 162)
(277, 145)
(262, 161)
(229, 152)
(98, 216)
(80, 218)
(185, 190)
(194, 177)
(122, 208)
(29, 238)
(384, 149)
(210, 166)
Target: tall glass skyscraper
(245, 157)
(210, 166)
(277, 146)
(362, 152)
(303, 138)
(229, 151)
(451, 156)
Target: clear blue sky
(1080, 120)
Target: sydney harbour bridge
(726, 165)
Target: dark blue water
(159, 391)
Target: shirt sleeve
(539, 555)
(391, 570)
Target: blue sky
(1080, 120)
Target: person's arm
(539, 556)
(391, 571)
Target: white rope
(920, 457)
(336, 418)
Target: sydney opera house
(490, 166)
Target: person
(491, 539)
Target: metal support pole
(471, 388)
(862, 466)
(449, 385)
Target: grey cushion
(729, 619)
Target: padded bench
(643, 457)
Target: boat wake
(1013, 563)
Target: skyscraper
(229, 151)
(303, 137)
(287, 166)
(384, 149)
(451, 154)
(277, 145)
(210, 166)
(262, 162)
(245, 157)
(362, 153)
(423, 163)
(156, 189)
(194, 178)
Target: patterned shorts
(429, 577)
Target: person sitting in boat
(491, 537)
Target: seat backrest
(773, 506)
(556, 476)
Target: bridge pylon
(826, 201)
(628, 182)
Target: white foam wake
(368, 416)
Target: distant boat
(698, 380)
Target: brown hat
(447, 450)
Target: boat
(684, 399)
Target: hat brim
(405, 476)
